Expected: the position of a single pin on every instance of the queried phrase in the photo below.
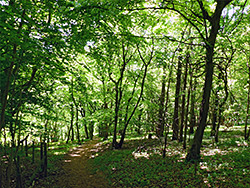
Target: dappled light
(59, 152)
(210, 152)
(140, 158)
(140, 154)
(74, 155)
(67, 161)
(124, 93)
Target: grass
(231, 169)
(126, 171)
(140, 164)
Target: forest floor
(140, 164)
(74, 170)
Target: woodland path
(76, 170)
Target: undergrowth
(140, 164)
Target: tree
(210, 40)
(176, 120)
(161, 123)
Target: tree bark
(161, 122)
(127, 119)
(9, 72)
(135, 107)
(246, 133)
(104, 127)
(118, 91)
(72, 108)
(175, 125)
(114, 143)
(184, 98)
(167, 98)
(77, 127)
(187, 108)
(1, 174)
(71, 128)
(6, 91)
(72, 123)
(118, 96)
(82, 111)
(192, 107)
(194, 152)
(91, 130)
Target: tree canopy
(73, 69)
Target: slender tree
(161, 123)
(176, 119)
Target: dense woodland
(166, 69)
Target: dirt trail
(77, 173)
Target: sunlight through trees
(71, 71)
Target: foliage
(74, 69)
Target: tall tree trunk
(175, 125)
(184, 98)
(186, 121)
(127, 119)
(68, 135)
(114, 143)
(72, 123)
(187, 108)
(82, 111)
(136, 105)
(118, 93)
(1, 174)
(192, 107)
(72, 114)
(247, 133)
(77, 127)
(161, 122)
(194, 152)
(167, 97)
(6, 91)
(118, 96)
(91, 130)
(10, 71)
(104, 128)
(71, 128)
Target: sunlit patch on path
(77, 172)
